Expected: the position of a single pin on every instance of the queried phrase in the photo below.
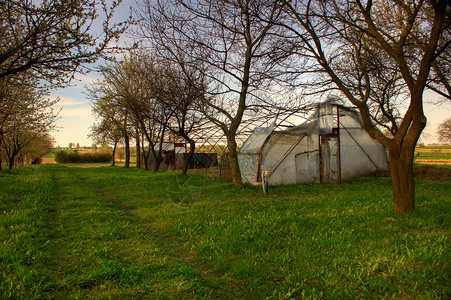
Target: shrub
(63, 157)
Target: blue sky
(76, 117)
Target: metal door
(329, 161)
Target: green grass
(126, 233)
(433, 152)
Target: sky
(75, 118)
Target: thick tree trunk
(402, 182)
(127, 151)
(401, 154)
(233, 160)
(192, 147)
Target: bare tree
(378, 40)
(54, 38)
(227, 42)
(180, 93)
(113, 117)
(106, 131)
(444, 131)
(131, 81)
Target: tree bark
(157, 162)
(11, 159)
(114, 154)
(402, 182)
(11, 162)
(138, 151)
(127, 151)
(401, 155)
(233, 161)
(192, 147)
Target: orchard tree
(54, 38)
(113, 125)
(105, 132)
(25, 113)
(128, 86)
(227, 41)
(353, 45)
(179, 93)
(40, 146)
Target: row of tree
(237, 55)
(148, 102)
(230, 57)
(44, 43)
(26, 119)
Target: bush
(63, 157)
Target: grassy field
(124, 233)
(433, 155)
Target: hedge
(63, 157)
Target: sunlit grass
(113, 232)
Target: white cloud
(69, 101)
(81, 113)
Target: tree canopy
(54, 38)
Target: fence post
(265, 182)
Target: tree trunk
(11, 159)
(192, 147)
(402, 183)
(157, 162)
(401, 154)
(11, 162)
(233, 160)
(145, 154)
(114, 154)
(138, 151)
(127, 151)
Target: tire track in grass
(213, 285)
(71, 227)
(87, 230)
(101, 248)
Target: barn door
(329, 162)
